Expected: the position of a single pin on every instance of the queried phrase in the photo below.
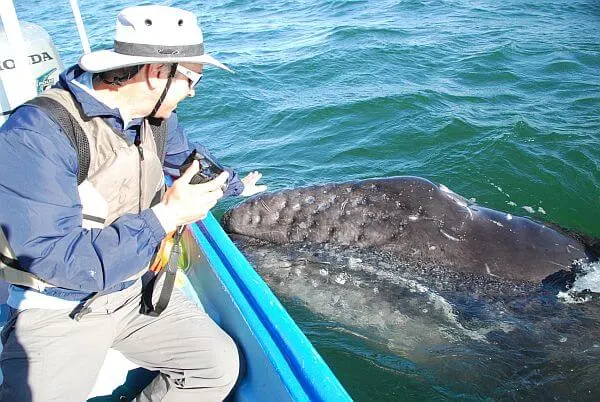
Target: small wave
(385, 34)
(563, 66)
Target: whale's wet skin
(451, 292)
(415, 220)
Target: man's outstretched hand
(250, 186)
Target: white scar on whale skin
(448, 236)
(456, 198)
(344, 205)
(487, 269)
(470, 212)
(265, 205)
(560, 265)
(571, 247)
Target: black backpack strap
(159, 131)
(61, 116)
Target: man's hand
(186, 203)
(250, 187)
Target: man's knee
(216, 368)
(227, 363)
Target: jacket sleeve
(179, 148)
(42, 212)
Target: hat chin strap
(164, 92)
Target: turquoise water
(499, 101)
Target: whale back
(412, 218)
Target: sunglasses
(192, 76)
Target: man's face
(181, 88)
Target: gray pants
(48, 356)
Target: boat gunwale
(302, 369)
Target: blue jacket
(40, 209)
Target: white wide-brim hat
(152, 34)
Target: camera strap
(170, 273)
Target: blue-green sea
(497, 100)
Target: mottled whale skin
(414, 219)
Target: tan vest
(122, 178)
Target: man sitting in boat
(84, 244)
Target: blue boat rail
(301, 369)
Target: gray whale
(413, 219)
(410, 267)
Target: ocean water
(499, 101)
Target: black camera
(209, 168)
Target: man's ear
(154, 74)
